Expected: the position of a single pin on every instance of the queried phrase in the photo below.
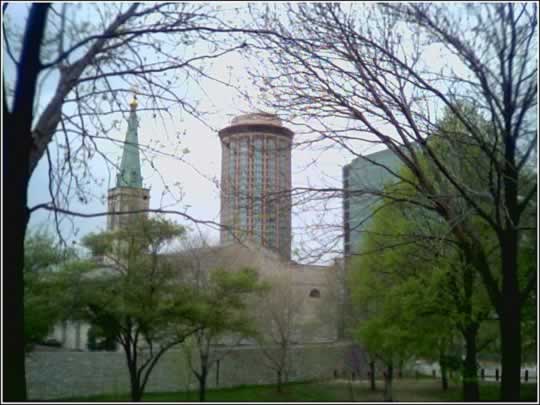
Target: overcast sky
(190, 182)
(201, 166)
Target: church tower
(129, 194)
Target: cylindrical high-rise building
(256, 181)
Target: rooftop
(257, 118)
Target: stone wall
(64, 374)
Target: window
(315, 293)
(99, 341)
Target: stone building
(256, 181)
(256, 166)
(256, 176)
(314, 288)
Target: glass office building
(360, 179)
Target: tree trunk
(372, 375)
(17, 128)
(136, 392)
(470, 333)
(351, 391)
(202, 384)
(136, 395)
(279, 381)
(510, 323)
(388, 378)
(510, 303)
(470, 369)
(444, 372)
(13, 295)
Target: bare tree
(221, 295)
(279, 319)
(371, 75)
(88, 57)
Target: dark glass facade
(361, 180)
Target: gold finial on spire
(133, 103)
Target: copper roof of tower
(129, 174)
(253, 122)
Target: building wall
(256, 181)
(63, 374)
(318, 315)
(319, 312)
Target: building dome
(257, 118)
(259, 122)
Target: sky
(199, 169)
(189, 182)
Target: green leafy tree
(389, 291)
(387, 342)
(73, 51)
(99, 339)
(366, 74)
(42, 257)
(465, 158)
(418, 296)
(415, 244)
(137, 298)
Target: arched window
(315, 293)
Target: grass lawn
(425, 390)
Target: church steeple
(130, 168)
(128, 197)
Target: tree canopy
(137, 298)
(352, 75)
(416, 273)
(44, 301)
